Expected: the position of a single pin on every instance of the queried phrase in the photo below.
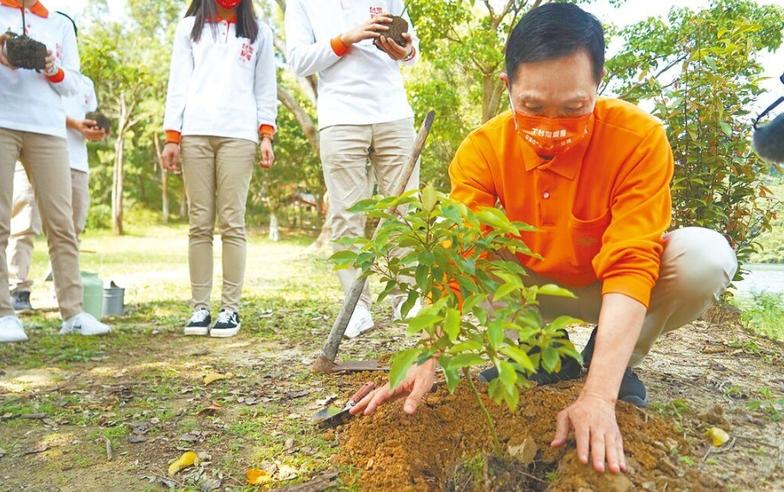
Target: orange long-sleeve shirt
(601, 208)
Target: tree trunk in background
(117, 178)
(274, 227)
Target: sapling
(478, 309)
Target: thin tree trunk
(274, 227)
(117, 178)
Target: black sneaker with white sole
(632, 389)
(227, 324)
(199, 324)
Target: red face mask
(551, 136)
(228, 4)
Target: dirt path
(142, 391)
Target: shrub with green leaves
(478, 310)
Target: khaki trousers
(26, 224)
(348, 154)
(217, 173)
(697, 265)
(45, 158)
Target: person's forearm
(620, 323)
(71, 123)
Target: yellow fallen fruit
(718, 437)
(254, 476)
(214, 376)
(187, 459)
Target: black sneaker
(227, 324)
(632, 390)
(21, 301)
(199, 324)
(570, 369)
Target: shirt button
(546, 195)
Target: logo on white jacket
(247, 52)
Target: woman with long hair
(221, 102)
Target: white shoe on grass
(360, 322)
(398, 315)
(11, 330)
(84, 324)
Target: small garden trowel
(333, 416)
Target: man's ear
(505, 78)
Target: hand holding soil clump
(397, 27)
(25, 52)
(100, 119)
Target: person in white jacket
(364, 117)
(25, 220)
(33, 131)
(222, 99)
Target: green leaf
(519, 356)
(422, 321)
(726, 128)
(452, 324)
(495, 334)
(556, 291)
(562, 322)
(401, 362)
(507, 374)
(465, 360)
(452, 376)
(473, 300)
(429, 198)
(550, 359)
(467, 346)
(504, 291)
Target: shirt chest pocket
(586, 237)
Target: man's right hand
(418, 383)
(371, 29)
(170, 157)
(3, 57)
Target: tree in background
(701, 71)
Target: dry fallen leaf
(717, 436)
(187, 459)
(214, 376)
(254, 476)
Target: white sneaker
(11, 330)
(398, 315)
(199, 324)
(84, 324)
(360, 322)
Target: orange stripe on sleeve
(173, 136)
(338, 46)
(57, 78)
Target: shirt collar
(37, 8)
(219, 19)
(566, 164)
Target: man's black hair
(76, 31)
(552, 31)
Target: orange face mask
(551, 136)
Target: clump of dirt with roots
(25, 52)
(446, 446)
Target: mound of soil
(25, 52)
(445, 445)
(101, 119)
(395, 32)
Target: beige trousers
(348, 154)
(217, 173)
(697, 265)
(46, 160)
(26, 224)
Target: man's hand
(267, 154)
(394, 50)
(50, 67)
(596, 432)
(170, 157)
(418, 383)
(3, 57)
(370, 29)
